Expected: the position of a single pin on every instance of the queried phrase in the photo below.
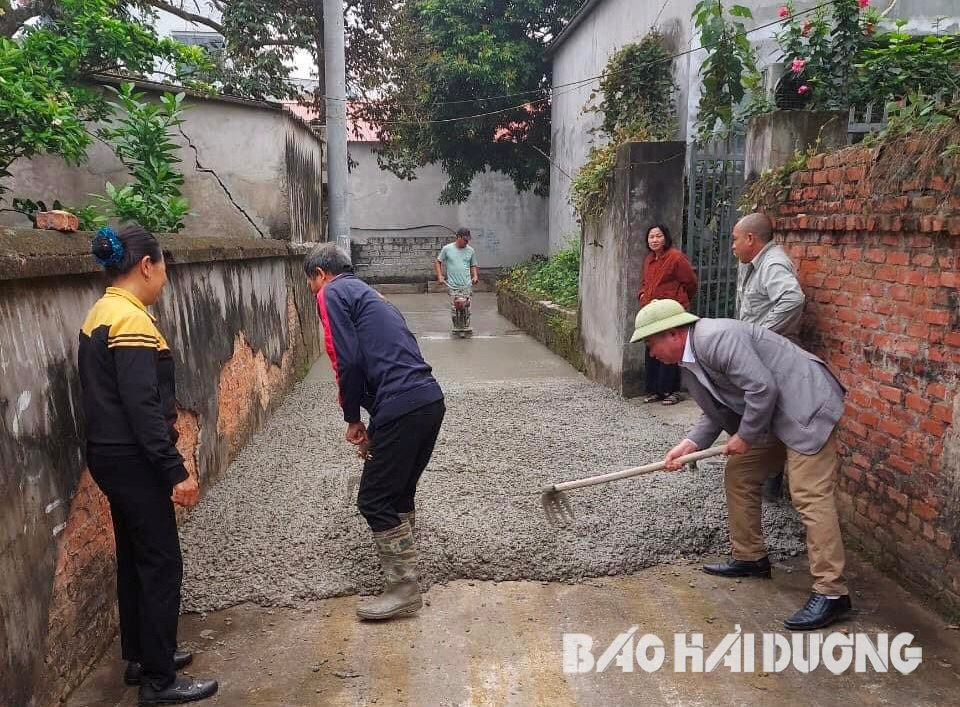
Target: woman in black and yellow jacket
(129, 404)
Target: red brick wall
(881, 275)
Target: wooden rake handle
(636, 471)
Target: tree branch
(11, 20)
(185, 15)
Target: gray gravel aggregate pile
(280, 530)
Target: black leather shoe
(181, 659)
(819, 611)
(741, 568)
(183, 689)
(773, 489)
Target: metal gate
(715, 182)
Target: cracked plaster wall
(250, 171)
(243, 330)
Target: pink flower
(807, 26)
(864, 4)
(784, 11)
(797, 65)
(803, 89)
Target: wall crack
(200, 168)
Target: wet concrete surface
(487, 643)
(282, 528)
(278, 535)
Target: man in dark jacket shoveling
(771, 397)
(379, 367)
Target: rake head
(556, 506)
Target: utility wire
(573, 85)
(579, 83)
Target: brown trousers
(812, 479)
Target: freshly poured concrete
(486, 643)
(280, 531)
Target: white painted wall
(507, 227)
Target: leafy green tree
(44, 102)
(445, 53)
(260, 38)
(36, 115)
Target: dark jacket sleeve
(140, 394)
(343, 348)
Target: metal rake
(556, 505)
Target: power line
(582, 82)
(579, 83)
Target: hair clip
(116, 247)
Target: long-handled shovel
(557, 507)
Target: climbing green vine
(636, 102)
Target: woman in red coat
(667, 274)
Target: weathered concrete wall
(774, 138)
(242, 325)
(607, 25)
(304, 161)
(507, 227)
(250, 171)
(876, 238)
(553, 326)
(647, 189)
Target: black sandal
(652, 398)
(671, 399)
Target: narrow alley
(276, 553)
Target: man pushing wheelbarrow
(456, 268)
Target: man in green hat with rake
(774, 399)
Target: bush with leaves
(637, 83)
(821, 51)
(36, 114)
(556, 279)
(899, 64)
(729, 73)
(637, 104)
(142, 140)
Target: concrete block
(773, 138)
(648, 189)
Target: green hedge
(556, 279)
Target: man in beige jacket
(768, 294)
(773, 399)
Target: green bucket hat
(660, 315)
